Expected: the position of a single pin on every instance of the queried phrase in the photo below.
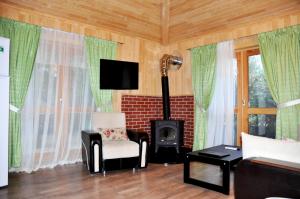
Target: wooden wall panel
(241, 31)
(245, 37)
(147, 52)
(180, 82)
(249, 42)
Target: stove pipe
(165, 63)
(166, 97)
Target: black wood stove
(167, 133)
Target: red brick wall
(140, 110)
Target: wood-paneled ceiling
(163, 21)
(191, 18)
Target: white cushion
(255, 146)
(112, 149)
(108, 120)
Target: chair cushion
(108, 120)
(113, 133)
(255, 146)
(112, 149)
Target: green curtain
(24, 39)
(203, 76)
(99, 49)
(280, 52)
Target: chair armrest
(142, 139)
(91, 135)
(89, 139)
(275, 177)
(137, 137)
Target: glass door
(256, 109)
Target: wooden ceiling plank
(144, 18)
(165, 22)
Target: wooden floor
(73, 181)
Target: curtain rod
(248, 36)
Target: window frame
(242, 109)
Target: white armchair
(107, 147)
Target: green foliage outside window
(260, 97)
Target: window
(256, 109)
(59, 102)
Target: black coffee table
(226, 163)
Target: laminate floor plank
(74, 182)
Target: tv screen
(119, 75)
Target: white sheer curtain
(221, 110)
(58, 104)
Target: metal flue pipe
(165, 63)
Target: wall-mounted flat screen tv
(119, 75)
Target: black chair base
(92, 145)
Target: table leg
(186, 169)
(226, 177)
